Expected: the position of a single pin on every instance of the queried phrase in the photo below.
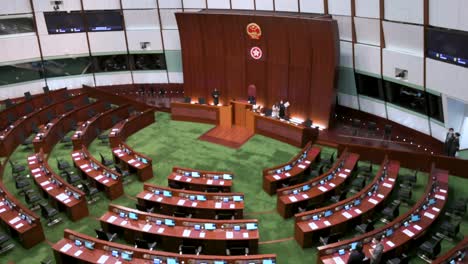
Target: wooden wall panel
(300, 56)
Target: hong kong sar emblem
(256, 53)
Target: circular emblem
(256, 53)
(254, 31)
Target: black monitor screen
(110, 20)
(63, 22)
(447, 45)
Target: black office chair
(26, 142)
(91, 192)
(332, 238)
(47, 101)
(201, 100)
(106, 162)
(5, 243)
(339, 197)
(187, 100)
(211, 189)
(11, 118)
(316, 172)
(365, 170)
(125, 174)
(73, 124)
(408, 180)
(50, 213)
(28, 109)
(22, 186)
(237, 251)
(9, 103)
(388, 132)
(72, 178)
(430, 248)
(100, 234)
(68, 107)
(114, 120)
(356, 125)
(189, 249)
(327, 163)
(403, 259)
(181, 214)
(104, 138)
(391, 211)
(64, 139)
(449, 228)
(16, 168)
(371, 128)
(141, 243)
(405, 194)
(365, 227)
(144, 208)
(33, 199)
(107, 106)
(46, 89)
(457, 208)
(357, 184)
(63, 165)
(34, 128)
(224, 216)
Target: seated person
(357, 256)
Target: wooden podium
(240, 113)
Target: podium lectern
(240, 113)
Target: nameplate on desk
(32, 162)
(120, 155)
(332, 184)
(131, 161)
(78, 158)
(209, 182)
(66, 201)
(105, 181)
(221, 183)
(84, 166)
(305, 196)
(338, 260)
(186, 233)
(62, 197)
(88, 170)
(112, 219)
(390, 243)
(148, 196)
(160, 230)
(387, 185)
(194, 204)
(417, 227)
(180, 202)
(32, 158)
(18, 226)
(276, 177)
(436, 209)
(147, 227)
(66, 247)
(443, 191)
(99, 177)
(188, 180)
(342, 175)
(373, 201)
(202, 234)
(36, 170)
(75, 154)
(287, 174)
(313, 226)
(229, 235)
(292, 198)
(117, 151)
(78, 253)
(440, 197)
(307, 161)
(323, 189)
(2, 210)
(347, 215)
(137, 164)
(245, 235)
(327, 223)
(159, 199)
(49, 188)
(391, 179)
(123, 222)
(45, 183)
(232, 206)
(218, 205)
(357, 211)
(302, 166)
(429, 215)
(102, 259)
(408, 233)
(381, 196)
(177, 178)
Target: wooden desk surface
(129, 126)
(205, 178)
(195, 113)
(131, 159)
(401, 234)
(462, 247)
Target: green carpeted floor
(172, 143)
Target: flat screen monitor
(330, 177)
(278, 171)
(192, 197)
(287, 167)
(172, 261)
(237, 228)
(432, 201)
(226, 199)
(197, 227)
(201, 198)
(369, 194)
(415, 218)
(315, 218)
(89, 245)
(341, 252)
(167, 193)
(227, 176)
(156, 261)
(169, 222)
(347, 207)
(328, 213)
(122, 214)
(127, 255)
(195, 174)
(158, 222)
(251, 226)
(354, 245)
(187, 174)
(114, 177)
(216, 177)
(452, 262)
(295, 191)
(78, 243)
(268, 261)
(133, 216)
(322, 182)
(145, 161)
(357, 202)
(64, 22)
(389, 232)
(115, 253)
(219, 262)
(306, 187)
(237, 198)
(210, 226)
(106, 20)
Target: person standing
(275, 111)
(282, 110)
(215, 94)
(357, 256)
(455, 145)
(377, 251)
(448, 141)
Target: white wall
(372, 107)
(141, 19)
(407, 119)
(449, 14)
(367, 31)
(339, 7)
(113, 78)
(411, 11)
(138, 4)
(367, 8)
(150, 77)
(170, 3)
(264, 5)
(243, 4)
(19, 48)
(413, 64)
(347, 100)
(404, 37)
(367, 58)
(286, 5)
(312, 6)
(72, 82)
(101, 4)
(194, 4)
(346, 54)
(219, 4)
(344, 27)
(105, 42)
(438, 132)
(64, 45)
(18, 90)
(46, 6)
(447, 78)
(15, 7)
(135, 37)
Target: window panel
(68, 67)
(21, 72)
(369, 86)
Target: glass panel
(435, 107)
(369, 86)
(16, 25)
(406, 97)
(111, 63)
(67, 67)
(21, 72)
(63, 22)
(144, 62)
(108, 20)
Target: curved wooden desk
(458, 254)
(61, 194)
(404, 230)
(67, 251)
(370, 198)
(318, 189)
(50, 134)
(200, 180)
(87, 131)
(293, 170)
(102, 177)
(152, 227)
(133, 161)
(129, 126)
(195, 113)
(189, 202)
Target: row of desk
(129, 126)
(200, 204)
(215, 236)
(293, 171)
(80, 248)
(133, 161)
(101, 177)
(350, 212)
(401, 232)
(201, 180)
(61, 194)
(456, 255)
(317, 190)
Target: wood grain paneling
(300, 56)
